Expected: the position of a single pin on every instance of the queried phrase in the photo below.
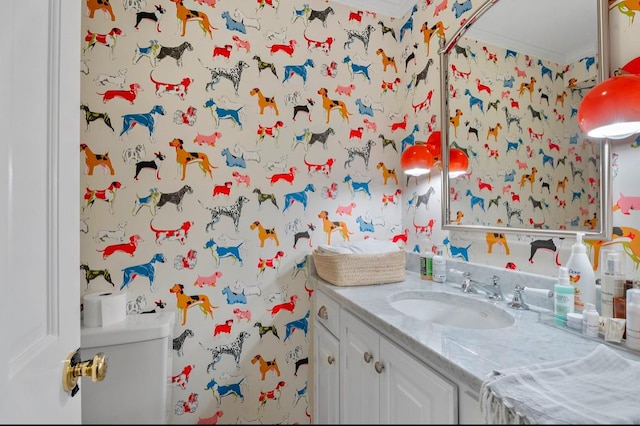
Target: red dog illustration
(108, 40)
(129, 247)
(286, 48)
(288, 177)
(108, 195)
(179, 234)
(128, 95)
(287, 306)
(179, 89)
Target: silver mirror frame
(605, 209)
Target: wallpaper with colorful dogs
(513, 115)
(224, 140)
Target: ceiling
(562, 31)
(559, 30)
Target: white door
(39, 191)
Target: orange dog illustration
(497, 238)
(331, 104)
(104, 5)
(184, 158)
(185, 15)
(264, 102)
(387, 60)
(184, 302)
(265, 366)
(330, 226)
(92, 160)
(387, 173)
(265, 234)
(531, 177)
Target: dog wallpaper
(224, 140)
(512, 106)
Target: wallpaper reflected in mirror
(514, 114)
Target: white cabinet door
(381, 383)
(359, 381)
(411, 392)
(327, 377)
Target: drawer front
(327, 312)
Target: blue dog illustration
(299, 324)
(300, 196)
(147, 120)
(301, 70)
(145, 270)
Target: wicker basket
(360, 269)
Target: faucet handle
(517, 302)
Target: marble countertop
(466, 355)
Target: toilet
(136, 388)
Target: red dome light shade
(611, 109)
(434, 144)
(416, 160)
(458, 162)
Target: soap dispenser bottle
(581, 275)
(590, 320)
(439, 266)
(563, 296)
(612, 281)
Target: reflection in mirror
(509, 101)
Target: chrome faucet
(493, 290)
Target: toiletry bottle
(439, 266)
(426, 265)
(563, 296)
(581, 275)
(633, 319)
(612, 281)
(591, 320)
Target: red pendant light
(458, 162)
(611, 109)
(434, 144)
(416, 160)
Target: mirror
(512, 79)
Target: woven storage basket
(360, 269)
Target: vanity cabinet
(381, 383)
(326, 401)
(361, 376)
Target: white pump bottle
(581, 275)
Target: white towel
(368, 246)
(602, 387)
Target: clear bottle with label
(633, 319)
(612, 281)
(426, 265)
(590, 320)
(439, 266)
(581, 275)
(563, 294)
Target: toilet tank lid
(136, 328)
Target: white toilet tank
(136, 388)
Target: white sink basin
(451, 310)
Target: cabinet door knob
(322, 312)
(379, 367)
(367, 357)
(330, 359)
